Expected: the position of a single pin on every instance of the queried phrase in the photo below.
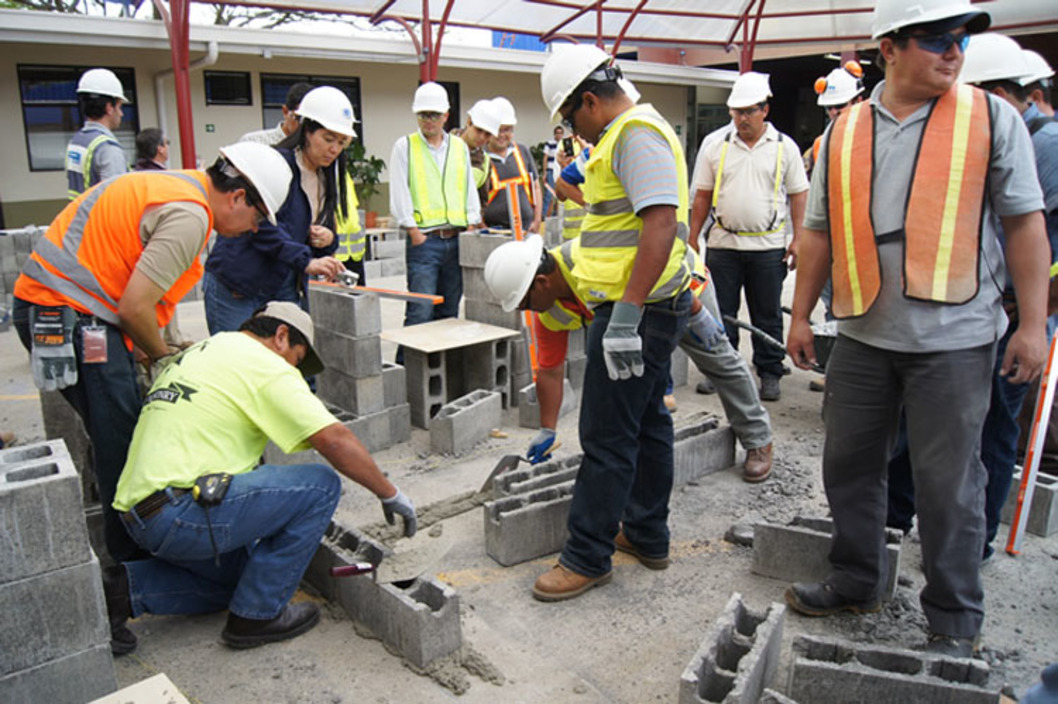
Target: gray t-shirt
(904, 325)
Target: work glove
(52, 355)
(540, 446)
(622, 347)
(401, 504)
(705, 329)
(157, 367)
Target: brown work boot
(654, 563)
(758, 464)
(562, 583)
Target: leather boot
(119, 609)
(562, 583)
(757, 467)
(292, 621)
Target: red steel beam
(440, 35)
(627, 24)
(380, 13)
(178, 27)
(427, 43)
(546, 36)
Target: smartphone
(567, 146)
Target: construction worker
(288, 125)
(511, 163)
(152, 150)
(351, 236)
(245, 540)
(916, 330)
(244, 273)
(483, 123)
(551, 168)
(838, 90)
(108, 274)
(1040, 83)
(567, 188)
(433, 196)
(630, 268)
(745, 181)
(94, 154)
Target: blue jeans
(761, 275)
(107, 398)
(626, 434)
(266, 529)
(548, 194)
(227, 310)
(433, 267)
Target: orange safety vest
(496, 185)
(89, 252)
(943, 215)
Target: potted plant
(366, 171)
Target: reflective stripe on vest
(608, 244)
(572, 218)
(521, 179)
(352, 239)
(89, 252)
(943, 216)
(776, 202)
(560, 316)
(438, 199)
(79, 155)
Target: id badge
(94, 344)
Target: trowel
(509, 462)
(413, 557)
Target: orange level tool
(386, 292)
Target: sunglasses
(748, 112)
(568, 122)
(940, 43)
(430, 116)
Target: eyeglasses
(568, 121)
(748, 112)
(940, 43)
(252, 199)
(431, 116)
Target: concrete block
(357, 357)
(487, 366)
(529, 478)
(678, 367)
(474, 286)
(492, 314)
(387, 249)
(464, 422)
(529, 406)
(394, 385)
(75, 678)
(61, 421)
(392, 267)
(360, 396)
(475, 248)
(798, 552)
(702, 446)
(576, 343)
(828, 671)
(419, 619)
(399, 424)
(527, 526)
(372, 270)
(575, 369)
(737, 658)
(427, 384)
(52, 615)
(375, 431)
(770, 696)
(40, 512)
(1043, 514)
(553, 231)
(345, 312)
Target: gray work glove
(401, 504)
(622, 347)
(705, 329)
(540, 446)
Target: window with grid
(227, 88)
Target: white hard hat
(101, 81)
(485, 116)
(430, 97)
(506, 110)
(510, 269)
(993, 57)
(566, 69)
(891, 15)
(839, 87)
(750, 88)
(331, 108)
(263, 167)
(1037, 65)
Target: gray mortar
(452, 671)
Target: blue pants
(626, 434)
(266, 529)
(227, 310)
(433, 267)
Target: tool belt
(152, 504)
(443, 234)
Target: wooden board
(447, 334)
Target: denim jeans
(107, 398)
(266, 529)
(433, 267)
(227, 310)
(626, 434)
(761, 274)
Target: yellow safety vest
(776, 201)
(562, 316)
(352, 239)
(572, 218)
(943, 215)
(438, 199)
(609, 237)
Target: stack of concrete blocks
(385, 253)
(418, 619)
(1043, 514)
(464, 422)
(15, 248)
(798, 552)
(56, 638)
(737, 658)
(829, 671)
(529, 405)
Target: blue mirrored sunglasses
(940, 43)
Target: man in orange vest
(511, 163)
(903, 202)
(108, 274)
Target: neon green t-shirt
(213, 409)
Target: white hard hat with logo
(265, 169)
(331, 108)
(510, 269)
(101, 81)
(892, 15)
(485, 116)
(430, 97)
(993, 57)
(840, 85)
(1038, 66)
(506, 110)
(750, 88)
(566, 69)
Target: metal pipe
(212, 53)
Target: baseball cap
(298, 319)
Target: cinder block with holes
(75, 678)
(737, 658)
(426, 377)
(1043, 514)
(528, 478)
(357, 357)
(487, 366)
(701, 446)
(394, 385)
(527, 526)
(361, 396)
(344, 312)
(464, 422)
(826, 671)
(529, 405)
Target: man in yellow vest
(630, 268)
(433, 197)
(95, 154)
(901, 215)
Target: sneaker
(769, 388)
(951, 646)
(563, 583)
(670, 403)
(820, 599)
(292, 621)
(757, 467)
(705, 387)
(654, 563)
(119, 609)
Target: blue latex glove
(540, 446)
(705, 329)
(622, 347)
(402, 505)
